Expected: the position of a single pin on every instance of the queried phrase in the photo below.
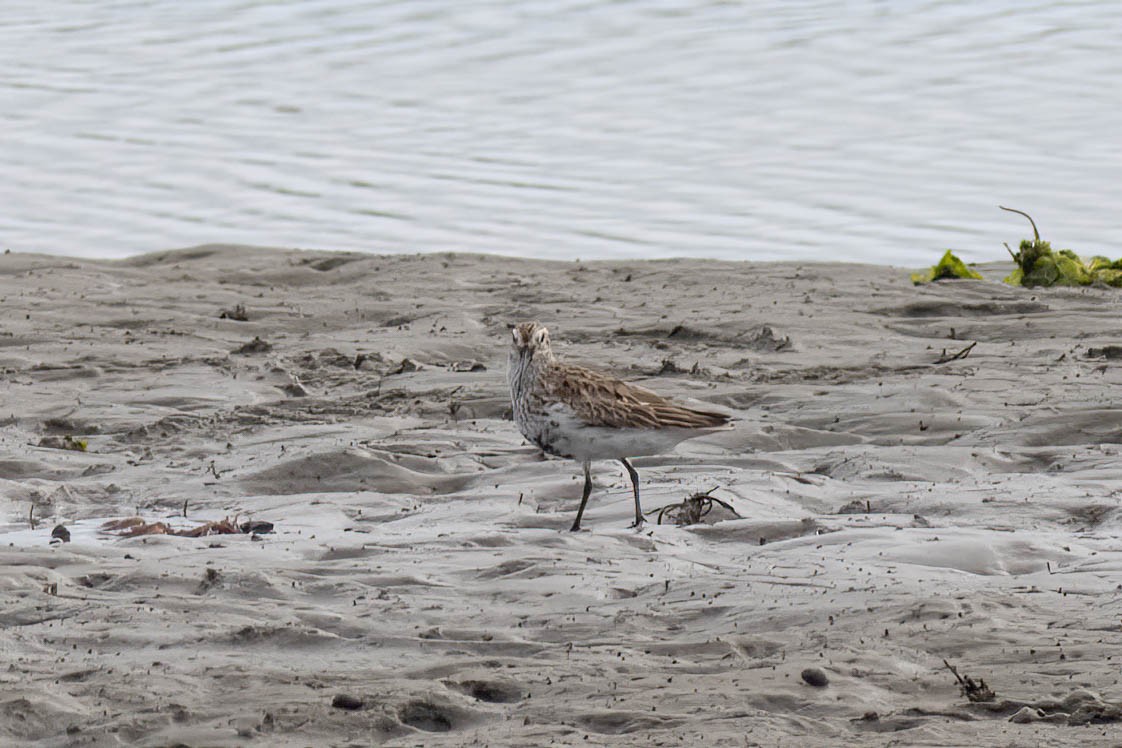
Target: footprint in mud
(427, 716)
(755, 649)
(493, 692)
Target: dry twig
(974, 690)
(945, 358)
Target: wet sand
(894, 511)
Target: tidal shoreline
(898, 506)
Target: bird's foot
(638, 523)
(575, 527)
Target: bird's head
(531, 341)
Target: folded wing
(601, 400)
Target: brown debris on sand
(238, 313)
(693, 509)
(975, 690)
(257, 345)
(133, 526)
(64, 442)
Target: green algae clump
(948, 267)
(1040, 265)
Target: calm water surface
(872, 131)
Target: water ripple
(868, 131)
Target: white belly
(560, 433)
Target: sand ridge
(895, 511)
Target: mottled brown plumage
(602, 400)
(571, 411)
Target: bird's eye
(514, 334)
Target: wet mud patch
(164, 428)
(957, 334)
(66, 426)
(330, 263)
(178, 255)
(431, 715)
(490, 691)
(59, 373)
(514, 568)
(1080, 708)
(958, 309)
(740, 399)
(1090, 516)
(832, 374)
(761, 338)
(351, 470)
(1108, 352)
(792, 436)
(623, 723)
(1072, 427)
(873, 722)
(25, 718)
(757, 651)
(289, 636)
(759, 532)
(17, 469)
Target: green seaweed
(78, 445)
(948, 267)
(1040, 265)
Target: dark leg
(584, 498)
(634, 487)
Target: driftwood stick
(974, 690)
(954, 670)
(954, 357)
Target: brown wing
(601, 400)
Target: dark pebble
(815, 677)
(60, 532)
(343, 701)
(260, 527)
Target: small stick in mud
(974, 690)
(956, 356)
(31, 517)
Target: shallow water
(870, 131)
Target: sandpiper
(574, 412)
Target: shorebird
(574, 412)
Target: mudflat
(917, 474)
